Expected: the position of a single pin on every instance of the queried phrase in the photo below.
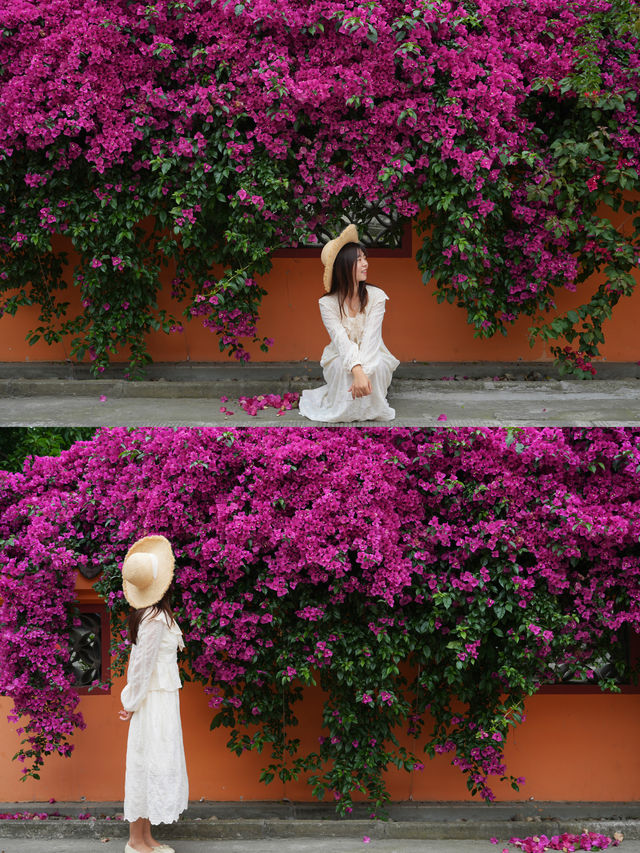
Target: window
(382, 233)
(617, 662)
(89, 643)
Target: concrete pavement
(452, 395)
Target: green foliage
(18, 443)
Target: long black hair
(136, 616)
(344, 274)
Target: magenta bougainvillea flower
(567, 841)
(400, 570)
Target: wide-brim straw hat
(147, 571)
(331, 249)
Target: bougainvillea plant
(427, 580)
(203, 135)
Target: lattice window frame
(632, 649)
(104, 628)
(403, 249)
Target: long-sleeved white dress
(354, 340)
(156, 785)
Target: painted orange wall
(416, 326)
(572, 746)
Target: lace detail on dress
(354, 327)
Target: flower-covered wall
(368, 612)
(194, 139)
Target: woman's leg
(148, 837)
(137, 831)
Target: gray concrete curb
(203, 829)
(268, 820)
(234, 388)
(303, 371)
(159, 389)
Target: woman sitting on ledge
(357, 366)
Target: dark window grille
(382, 233)
(89, 642)
(376, 229)
(614, 663)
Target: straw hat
(331, 249)
(147, 571)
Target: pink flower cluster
(47, 815)
(121, 73)
(230, 324)
(579, 359)
(567, 842)
(283, 403)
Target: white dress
(156, 785)
(354, 340)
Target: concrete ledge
(286, 371)
(160, 389)
(172, 390)
(268, 820)
(287, 829)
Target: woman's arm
(144, 655)
(348, 350)
(361, 385)
(372, 336)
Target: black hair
(136, 616)
(343, 275)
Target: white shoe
(160, 847)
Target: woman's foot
(139, 847)
(158, 845)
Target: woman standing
(156, 785)
(357, 366)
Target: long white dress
(354, 340)
(156, 785)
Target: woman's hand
(361, 386)
(124, 715)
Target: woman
(156, 787)
(357, 366)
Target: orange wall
(416, 326)
(571, 747)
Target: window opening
(89, 646)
